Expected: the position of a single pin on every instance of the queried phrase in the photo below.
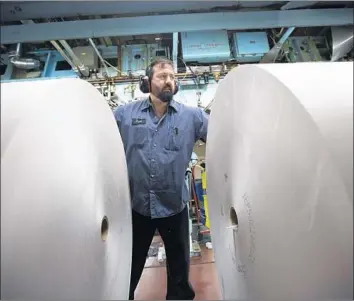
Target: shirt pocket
(174, 139)
(139, 136)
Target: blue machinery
(201, 47)
(50, 60)
(204, 36)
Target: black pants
(174, 232)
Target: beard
(165, 95)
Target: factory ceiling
(13, 12)
(59, 12)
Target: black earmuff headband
(144, 82)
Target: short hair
(158, 61)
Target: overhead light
(158, 39)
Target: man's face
(163, 82)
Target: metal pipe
(189, 78)
(298, 4)
(82, 68)
(342, 41)
(272, 54)
(71, 52)
(26, 64)
(63, 54)
(175, 51)
(18, 49)
(99, 55)
(23, 63)
(286, 35)
(57, 47)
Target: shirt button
(154, 144)
(151, 176)
(156, 131)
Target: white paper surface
(63, 170)
(280, 151)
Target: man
(158, 136)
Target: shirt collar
(147, 104)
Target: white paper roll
(63, 179)
(280, 166)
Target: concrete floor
(203, 278)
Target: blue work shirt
(158, 152)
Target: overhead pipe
(63, 54)
(298, 4)
(272, 54)
(23, 63)
(82, 68)
(175, 51)
(98, 54)
(342, 41)
(60, 50)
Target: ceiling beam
(174, 23)
(22, 10)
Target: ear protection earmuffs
(144, 82)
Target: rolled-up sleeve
(201, 124)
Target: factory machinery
(68, 131)
(204, 47)
(113, 64)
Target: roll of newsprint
(279, 162)
(65, 203)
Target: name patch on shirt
(138, 121)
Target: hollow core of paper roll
(233, 217)
(65, 202)
(273, 158)
(104, 228)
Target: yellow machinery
(205, 199)
(200, 195)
